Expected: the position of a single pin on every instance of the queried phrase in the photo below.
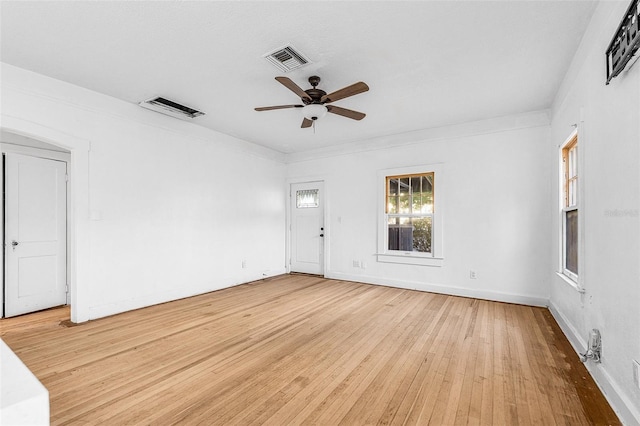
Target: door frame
(325, 219)
(46, 154)
(77, 212)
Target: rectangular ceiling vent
(287, 58)
(174, 109)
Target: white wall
(169, 210)
(609, 141)
(495, 195)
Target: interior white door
(35, 234)
(307, 228)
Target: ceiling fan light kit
(314, 100)
(314, 111)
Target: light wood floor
(305, 350)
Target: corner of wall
(613, 392)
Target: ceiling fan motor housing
(315, 94)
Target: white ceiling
(428, 63)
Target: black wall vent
(625, 43)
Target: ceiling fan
(315, 100)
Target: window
(409, 224)
(306, 198)
(409, 210)
(569, 215)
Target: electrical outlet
(244, 264)
(472, 275)
(636, 373)
(363, 264)
(356, 263)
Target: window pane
(410, 234)
(307, 198)
(416, 196)
(394, 234)
(573, 162)
(392, 195)
(393, 186)
(404, 185)
(392, 204)
(405, 199)
(570, 161)
(427, 183)
(573, 192)
(427, 195)
(403, 204)
(571, 241)
(422, 234)
(406, 238)
(416, 206)
(400, 233)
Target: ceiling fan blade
(277, 107)
(306, 123)
(289, 84)
(349, 113)
(345, 92)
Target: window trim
(435, 258)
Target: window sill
(408, 259)
(571, 282)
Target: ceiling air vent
(287, 58)
(174, 109)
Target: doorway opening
(35, 267)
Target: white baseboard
(579, 344)
(611, 390)
(100, 311)
(443, 289)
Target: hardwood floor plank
(392, 353)
(301, 349)
(397, 374)
(442, 409)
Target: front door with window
(35, 234)
(307, 228)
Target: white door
(35, 234)
(307, 228)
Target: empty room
(320, 213)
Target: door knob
(14, 243)
(322, 235)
